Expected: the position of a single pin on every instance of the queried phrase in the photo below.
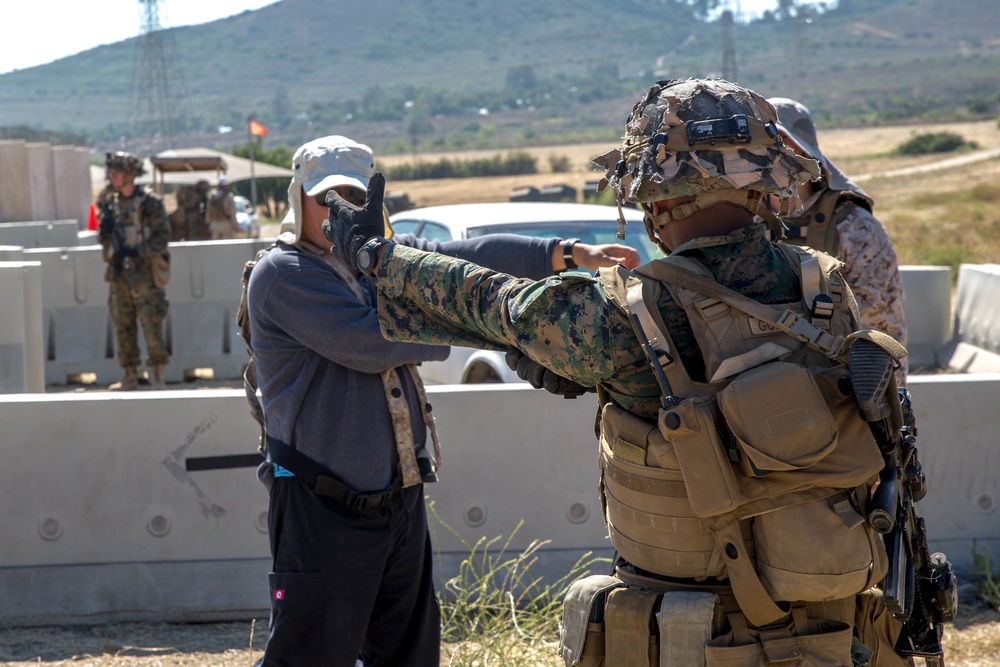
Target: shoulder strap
(788, 321)
(250, 385)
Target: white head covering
(322, 164)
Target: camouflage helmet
(694, 136)
(127, 162)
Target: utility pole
(156, 82)
(728, 46)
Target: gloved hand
(540, 377)
(106, 226)
(348, 226)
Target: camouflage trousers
(130, 306)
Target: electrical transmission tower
(156, 83)
(728, 46)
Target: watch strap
(567, 250)
(368, 253)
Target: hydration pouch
(817, 550)
(581, 635)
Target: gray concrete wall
(71, 174)
(42, 182)
(15, 183)
(106, 516)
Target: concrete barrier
(122, 507)
(975, 346)
(200, 330)
(928, 313)
(21, 365)
(40, 234)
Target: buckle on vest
(822, 307)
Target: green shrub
(989, 579)
(934, 142)
(512, 164)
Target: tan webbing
(788, 322)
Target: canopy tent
(187, 166)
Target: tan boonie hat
(325, 163)
(796, 123)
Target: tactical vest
(759, 474)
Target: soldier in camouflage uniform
(699, 156)
(836, 217)
(134, 233)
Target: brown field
(922, 212)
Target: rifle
(112, 229)
(920, 588)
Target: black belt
(321, 481)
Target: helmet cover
(127, 162)
(691, 136)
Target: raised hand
(349, 227)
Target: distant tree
(522, 78)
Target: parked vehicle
(246, 218)
(590, 223)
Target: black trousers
(349, 584)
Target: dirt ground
(972, 641)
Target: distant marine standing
(134, 233)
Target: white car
(590, 223)
(246, 218)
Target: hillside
(424, 74)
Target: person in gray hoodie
(350, 435)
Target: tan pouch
(631, 637)
(816, 550)
(709, 476)
(802, 643)
(779, 417)
(160, 265)
(878, 629)
(581, 634)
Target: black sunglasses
(352, 195)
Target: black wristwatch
(567, 246)
(368, 254)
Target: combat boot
(129, 383)
(156, 377)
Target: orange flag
(256, 129)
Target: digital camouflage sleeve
(872, 271)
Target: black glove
(540, 377)
(348, 226)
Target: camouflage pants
(146, 305)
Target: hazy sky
(34, 34)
